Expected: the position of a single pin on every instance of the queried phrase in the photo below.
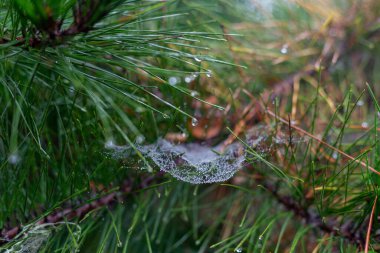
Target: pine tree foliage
(89, 89)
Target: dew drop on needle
(188, 79)
(194, 122)
(173, 80)
(194, 93)
(194, 75)
(14, 158)
(109, 144)
(284, 49)
(197, 59)
(140, 139)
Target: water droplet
(72, 90)
(239, 250)
(188, 79)
(166, 116)
(365, 124)
(335, 155)
(260, 237)
(209, 73)
(197, 242)
(360, 103)
(173, 80)
(140, 139)
(14, 158)
(194, 122)
(109, 144)
(197, 59)
(284, 49)
(194, 93)
(194, 75)
(119, 244)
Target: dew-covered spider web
(192, 162)
(199, 164)
(33, 236)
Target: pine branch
(83, 22)
(305, 212)
(334, 48)
(66, 214)
(77, 95)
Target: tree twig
(300, 130)
(83, 209)
(370, 226)
(81, 24)
(310, 216)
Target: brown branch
(368, 236)
(310, 216)
(82, 24)
(82, 210)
